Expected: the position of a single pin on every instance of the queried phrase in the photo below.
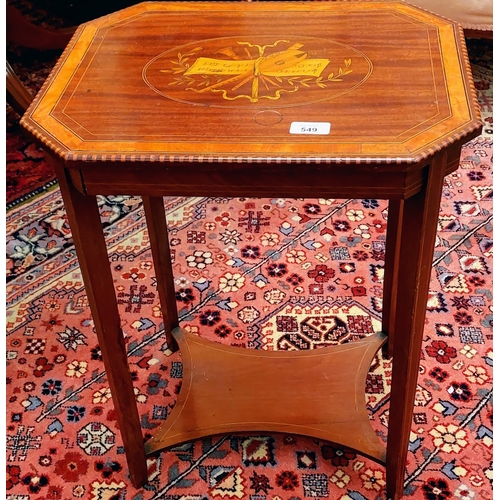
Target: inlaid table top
(270, 81)
(260, 99)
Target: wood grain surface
(222, 81)
(198, 99)
(229, 389)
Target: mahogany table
(273, 99)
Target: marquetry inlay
(159, 81)
(229, 71)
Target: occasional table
(272, 99)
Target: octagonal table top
(222, 81)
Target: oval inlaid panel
(261, 71)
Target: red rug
(27, 173)
(257, 273)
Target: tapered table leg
(88, 237)
(154, 210)
(418, 233)
(391, 271)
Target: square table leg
(410, 245)
(86, 228)
(154, 210)
(391, 272)
(419, 217)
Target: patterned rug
(261, 274)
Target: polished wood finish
(399, 94)
(391, 272)
(287, 180)
(18, 96)
(26, 34)
(197, 99)
(420, 211)
(229, 389)
(86, 229)
(484, 34)
(158, 236)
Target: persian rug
(269, 274)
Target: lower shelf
(318, 393)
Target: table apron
(277, 181)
